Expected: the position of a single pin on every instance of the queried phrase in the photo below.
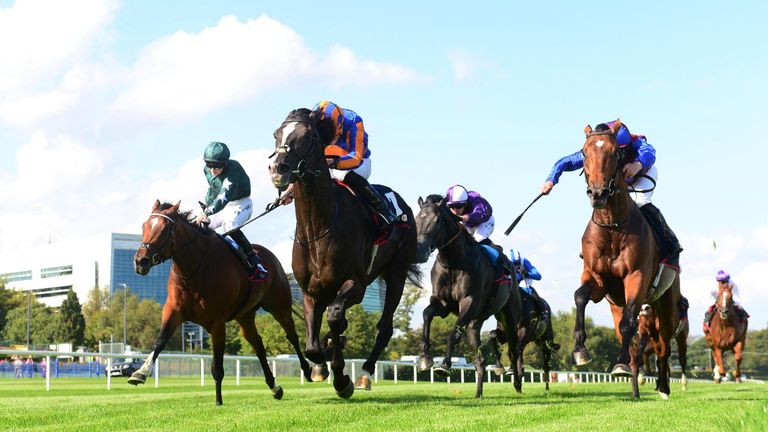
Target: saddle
(384, 230)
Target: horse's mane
(187, 217)
(434, 198)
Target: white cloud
(466, 65)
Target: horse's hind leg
(351, 293)
(473, 337)
(394, 292)
(738, 351)
(171, 320)
(285, 320)
(497, 337)
(682, 352)
(251, 334)
(217, 365)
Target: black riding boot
(379, 204)
(742, 313)
(668, 244)
(252, 261)
(503, 260)
(539, 303)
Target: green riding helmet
(216, 152)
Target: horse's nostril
(283, 169)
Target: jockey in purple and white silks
(723, 278)
(474, 211)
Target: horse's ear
(441, 202)
(421, 202)
(175, 207)
(616, 126)
(155, 206)
(587, 130)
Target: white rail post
(395, 366)
(274, 368)
(432, 375)
(501, 378)
(489, 376)
(109, 376)
(541, 376)
(48, 374)
(462, 375)
(352, 366)
(202, 372)
(414, 374)
(237, 372)
(330, 372)
(157, 372)
(531, 376)
(376, 373)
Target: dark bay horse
(648, 330)
(620, 261)
(463, 283)
(208, 285)
(336, 254)
(728, 332)
(526, 334)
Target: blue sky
(106, 105)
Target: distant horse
(208, 285)
(648, 331)
(620, 261)
(726, 333)
(337, 250)
(463, 283)
(525, 335)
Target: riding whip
(271, 206)
(514, 224)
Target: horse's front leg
(435, 307)
(628, 325)
(217, 364)
(172, 318)
(581, 297)
(467, 311)
(719, 371)
(313, 317)
(497, 337)
(663, 351)
(738, 351)
(350, 294)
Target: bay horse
(463, 283)
(336, 251)
(209, 286)
(525, 335)
(727, 332)
(621, 257)
(648, 331)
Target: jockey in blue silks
(526, 274)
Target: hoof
(641, 378)
(320, 372)
(664, 396)
(425, 363)
(137, 378)
(363, 382)
(443, 370)
(717, 380)
(347, 391)
(581, 357)
(621, 370)
(277, 392)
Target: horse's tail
(415, 275)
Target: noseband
(157, 257)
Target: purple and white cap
(722, 276)
(457, 194)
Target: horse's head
(431, 224)
(602, 156)
(299, 147)
(156, 237)
(724, 299)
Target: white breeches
(484, 230)
(364, 170)
(643, 183)
(233, 215)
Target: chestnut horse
(208, 285)
(648, 330)
(464, 283)
(336, 254)
(726, 333)
(620, 261)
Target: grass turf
(182, 404)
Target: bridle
(433, 238)
(159, 257)
(301, 170)
(722, 306)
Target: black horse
(528, 332)
(463, 283)
(338, 250)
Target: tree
(71, 327)
(402, 317)
(9, 299)
(42, 322)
